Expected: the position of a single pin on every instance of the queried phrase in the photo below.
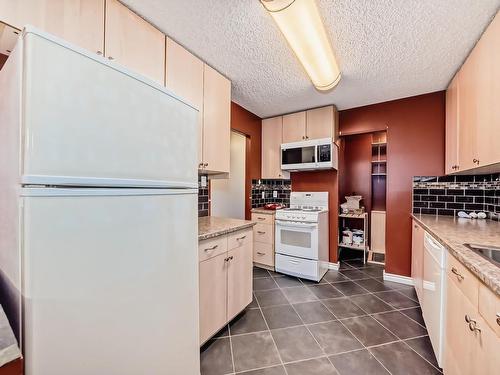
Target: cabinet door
(133, 42)
(213, 292)
(272, 130)
(239, 277)
(216, 120)
(294, 127)
(452, 127)
(459, 341)
(78, 21)
(320, 123)
(468, 112)
(488, 82)
(185, 78)
(417, 258)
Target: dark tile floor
(352, 322)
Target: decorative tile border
(267, 187)
(446, 195)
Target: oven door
(297, 239)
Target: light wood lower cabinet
(225, 280)
(417, 257)
(471, 345)
(263, 235)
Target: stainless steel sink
(490, 253)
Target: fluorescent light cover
(301, 24)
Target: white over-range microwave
(309, 155)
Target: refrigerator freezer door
(87, 121)
(110, 283)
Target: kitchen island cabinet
(225, 271)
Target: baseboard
(398, 278)
(334, 266)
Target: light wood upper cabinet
(488, 83)
(78, 21)
(185, 78)
(272, 130)
(452, 129)
(213, 292)
(216, 121)
(133, 42)
(471, 103)
(321, 123)
(294, 127)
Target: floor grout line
(321, 301)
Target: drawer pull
(261, 218)
(241, 238)
(211, 248)
(472, 324)
(459, 276)
(228, 259)
(294, 262)
(259, 253)
(261, 232)
(498, 319)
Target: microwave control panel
(324, 153)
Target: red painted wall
(250, 125)
(415, 147)
(322, 181)
(3, 58)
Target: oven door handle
(290, 224)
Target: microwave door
(298, 157)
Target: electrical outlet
(263, 195)
(275, 194)
(203, 181)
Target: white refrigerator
(98, 215)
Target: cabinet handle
(241, 238)
(261, 232)
(212, 248)
(454, 271)
(111, 58)
(475, 161)
(472, 324)
(498, 319)
(259, 253)
(228, 259)
(200, 165)
(99, 53)
(205, 165)
(261, 218)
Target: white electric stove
(302, 241)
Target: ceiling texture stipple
(386, 49)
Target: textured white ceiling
(386, 49)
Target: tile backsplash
(447, 195)
(268, 187)
(202, 197)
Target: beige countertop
(453, 232)
(262, 210)
(211, 226)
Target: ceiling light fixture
(301, 24)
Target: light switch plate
(275, 194)
(263, 195)
(203, 181)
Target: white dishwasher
(434, 293)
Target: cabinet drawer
(463, 279)
(209, 248)
(489, 308)
(263, 253)
(263, 233)
(263, 218)
(239, 239)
